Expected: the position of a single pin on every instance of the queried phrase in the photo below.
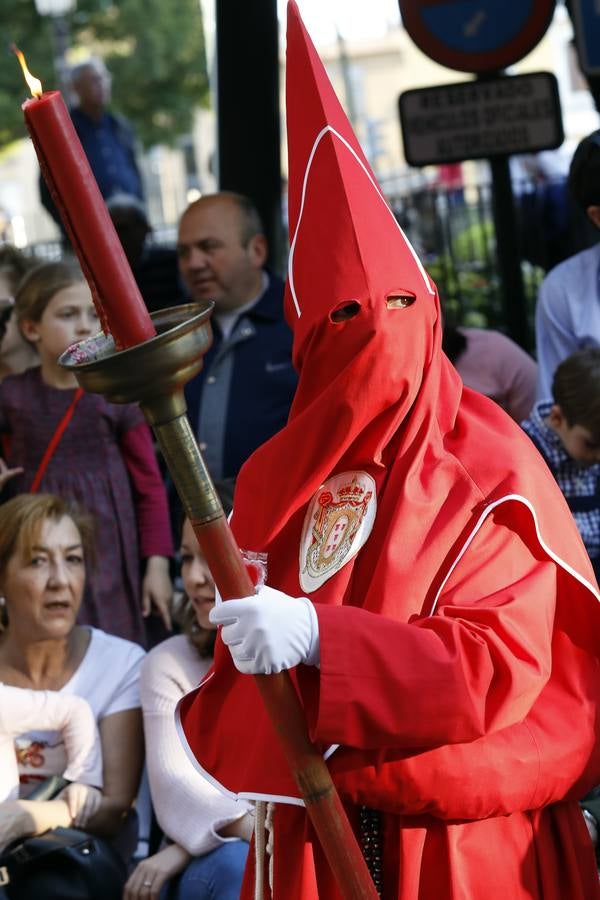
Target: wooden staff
(216, 540)
(153, 373)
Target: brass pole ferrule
(154, 374)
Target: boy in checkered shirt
(566, 431)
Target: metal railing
(453, 234)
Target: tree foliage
(154, 50)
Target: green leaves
(154, 50)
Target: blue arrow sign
(476, 26)
(477, 35)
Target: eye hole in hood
(400, 299)
(345, 310)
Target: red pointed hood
(336, 208)
(359, 377)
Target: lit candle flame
(34, 84)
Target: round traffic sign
(476, 35)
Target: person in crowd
(450, 181)
(566, 431)
(567, 315)
(16, 354)
(23, 710)
(206, 834)
(550, 226)
(243, 393)
(155, 268)
(592, 78)
(435, 605)
(80, 446)
(45, 545)
(489, 362)
(106, 137)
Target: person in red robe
(425, 586)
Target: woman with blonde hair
(45, 544)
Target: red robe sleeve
(468, 712)
(473, 667)
(483, 704)
(150, 496)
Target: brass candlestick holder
(153, 374)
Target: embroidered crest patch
(338, 521)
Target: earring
(3, 618)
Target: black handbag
(61, 864)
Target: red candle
(76, 194)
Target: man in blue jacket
(243, 394)
(107, 138)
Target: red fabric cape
(376, 394)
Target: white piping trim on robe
(243, 795)
(318, 140)
(544, 546)
(296, 801)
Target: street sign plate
(586, 15)
(479, 119)
(477, 35)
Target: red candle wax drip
(71, 182)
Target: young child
(99, 454)
(21, 710)
(566, 431)
(16, 354)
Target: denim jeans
(215, 876)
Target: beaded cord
(370, 841)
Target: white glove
(269, 631)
